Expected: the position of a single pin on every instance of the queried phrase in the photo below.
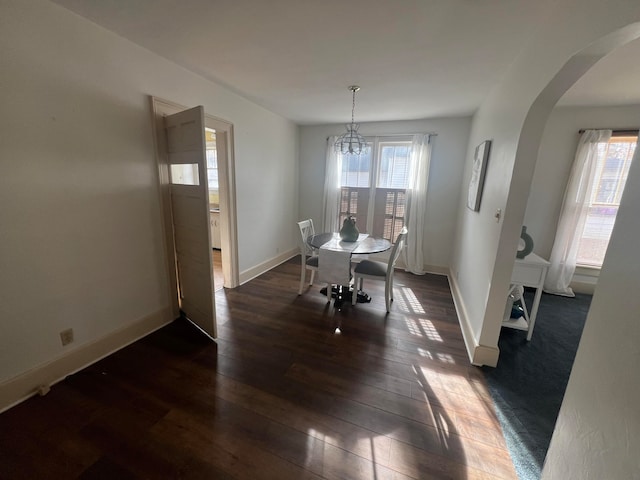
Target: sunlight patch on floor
(446, 358)
(421, 327)
(315, 440)
(407, 302)
(443, 357)
(373, 448)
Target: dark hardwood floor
(279, 395)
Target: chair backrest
(397, 248)
(306, 230)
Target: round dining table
(367, 245)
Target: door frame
(226, 176)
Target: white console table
(528, 272)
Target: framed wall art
(478, 172)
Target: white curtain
(574, 213)
(331, 201)
(417, 203)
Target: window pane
(212, 169)
(612, 168)
(596, 234)
(394, 165)
(385, 166)
(212, 158)
(185, 174)
(356, 170)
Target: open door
(190, 216)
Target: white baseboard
(436, 270)
(27, 384)
(583, 287)
(479, 355)
(485, 355)
(585, 280)
(267, 265)
(400, 265)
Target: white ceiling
(412, 58)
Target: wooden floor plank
(279, 395)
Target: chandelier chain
(353, 105)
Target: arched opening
(626, 227)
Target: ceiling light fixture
(352, 142)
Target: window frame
(211, 146)
(375, 144)
(616, 137)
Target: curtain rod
(616, 132)
(431, 134)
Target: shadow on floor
(529, 382)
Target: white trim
(400, 265)
(256, 271)
(588, 270)
(485, 355)
(585, 279)
(436, 270)
(479, 355)
(227, 199)
(41, 377)
(164, 201)
(228, 215)
(583, 287)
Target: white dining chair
(379, 271)
(308, 256)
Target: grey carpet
(529, 382)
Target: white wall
(485, 249)
(597, 434)
(80, 232)
(598, 430)
(447, 159)
(555, 157)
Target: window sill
(587, 270)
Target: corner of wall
(267, 265)
(479, 355)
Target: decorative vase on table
(528, 244)
(349, 232)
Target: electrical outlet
(66, 336)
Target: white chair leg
(313, 274)
(387, 294)
(302, 275)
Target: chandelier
(351, 142)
